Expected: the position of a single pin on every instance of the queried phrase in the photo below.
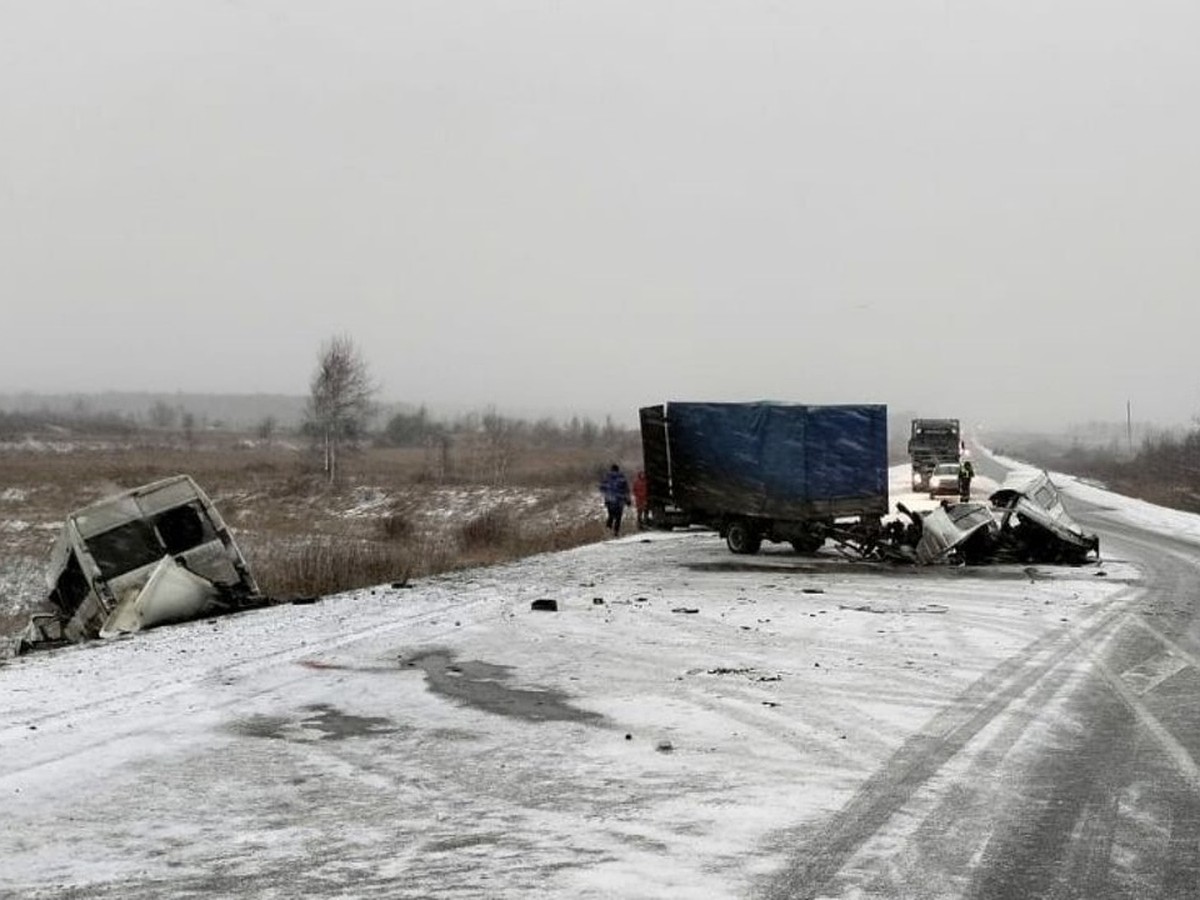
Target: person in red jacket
(640, 495)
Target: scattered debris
(150, 556)
(865, 607)
(868, 608)
(320, 664)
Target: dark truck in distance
(932, 442)
(768, 471)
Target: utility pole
(1129, 425)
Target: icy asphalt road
(1098, 796)
(688, 724)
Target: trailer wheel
(741, 537)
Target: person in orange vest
(965, 473)
(641, 491)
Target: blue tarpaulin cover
(776, 460)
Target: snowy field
(674, 729)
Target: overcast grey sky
(989, 209)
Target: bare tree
(188, 423)
(500, 439)
(267, 428)
(163, 415)
(340, 398)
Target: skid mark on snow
(320, 722)
(481, 685)
(735, 565)
(869, 568)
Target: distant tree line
(419, 429)
(103, 424)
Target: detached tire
(741, 537)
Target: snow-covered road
(675, 729)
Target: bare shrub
(491, 530)
(498, 536)
(562, 537)
(327, 565)
(396, 525)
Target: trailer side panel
(778, 461)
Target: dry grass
(488, 530)
(498, 535)
(327, 565)
(398, 514)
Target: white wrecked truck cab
(1034, 520)
(155, 554)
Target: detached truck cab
(767, 471)
(155, 554)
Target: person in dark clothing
(965, 473)
(615, 489)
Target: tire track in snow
(1026, 843)
(923, 755)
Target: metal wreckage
(1024, 521)
(153, 555)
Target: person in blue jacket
(615, 489)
